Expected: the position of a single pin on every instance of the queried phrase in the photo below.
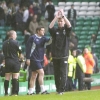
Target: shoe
(31, 93)
(45, 92)
(60, 93)
(37, 92)
(14, 95)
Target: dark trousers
(60, 74)
(80, 76)
(88, 84)
(69, 84)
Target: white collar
(38, 36)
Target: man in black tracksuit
(60, 49)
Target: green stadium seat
(2, 28)
(95, 23)
(98, 37)
(2, 32)
(97, 42)
(3, 37)
(94, 28)
(86, 28)
(84, 33)
(92, 32)
(87, 42)
(88, 18)
(81, 42)
(20, 37)
(78, 28)
(89, 37)
(80, 46)
(19, 32)
(96, 18)
(77, 32)
(80, 19)
(83, 37)
(79, 23)
(98, 32)
(87, 23)
(7, 28)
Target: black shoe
(45, 92)
(60, 93)
(31, 93)
(37, 92)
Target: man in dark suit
(72, 16)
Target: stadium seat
(90, 13)
(67, 8)
(82, 13)
(7, 28)
(97, 42)
(97, 13)
(89, 37)
(92, 4)
(91, 8)
(2, 28)
(98, 32)
(84, 3)
(83, 37)
(89, 18)
(69, 3)
(92, 32)
(87, 23)
(97, 8)
(81, 46)
(77, 32)
(94, 28)
(77, 8)
(84, 32)
(80, 42)
(61, 3)
(77, 3)
(78, 28)
(83, 8)
(95, 23)
(87, 42)
(95, 18)
(80, 18)
(2, 32)
(98, 37)
(79, 23)
(86, 28)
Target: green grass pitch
(76, 95)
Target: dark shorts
(36, 65)
(12, 66)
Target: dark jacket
(69, 13)
(11, 49)
(60, 43)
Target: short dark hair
(39, 28)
